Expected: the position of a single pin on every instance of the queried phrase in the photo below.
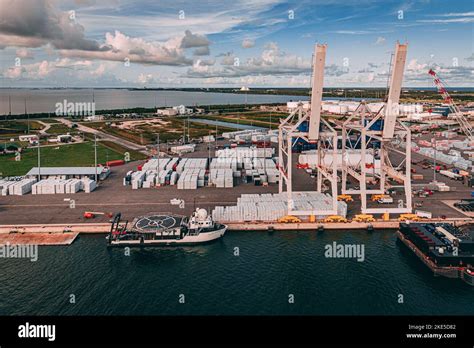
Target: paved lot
(112, 196)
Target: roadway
(105, 136)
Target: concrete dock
(38, 238)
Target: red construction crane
(463, 122)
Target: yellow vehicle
(363, 218)
(411, 217)
(335, 218)
(375, 198)
(289, 219)
(345, 198)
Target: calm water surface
(214, 281)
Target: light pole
(434, 161)
(39, 160)
(209, 148)
(158, 156)
(95, 156)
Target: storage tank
(352, 159)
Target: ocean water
(44, 100)
(259, 281)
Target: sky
(231, 43)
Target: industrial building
(69, 172)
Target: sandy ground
(133, 124)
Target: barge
(446, 249)
(163, 229)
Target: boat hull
(201, 238)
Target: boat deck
(156, 222)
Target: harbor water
(44, 100)
(245, 273)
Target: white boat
(166, 229)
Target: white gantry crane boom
(305, 124)
(380, 142)
(463, 122)
(319, 59)
(396, 79)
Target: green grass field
(74, 155)
(16, 128)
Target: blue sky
(165, 43)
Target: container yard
(341, 162)
(272, 207)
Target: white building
(292, 105)
(93, 118)
(182, 110)
(63, 138)
(167, 112)
(31, 138)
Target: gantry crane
(308, 126)
(377, 135)
(464, 124)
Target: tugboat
(163, 229)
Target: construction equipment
(335, 218)
(289, 219)
(345, 198)
(93, 214)
(464, 124)
(375, 198)
(307, 125)
(379, 134)
(363, 218)
(409, 217)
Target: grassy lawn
(134, 155)
(16, 128)
(145, 134)
(48, 120)
(59, 128)
(74, 155)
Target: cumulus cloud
(417, 71)
(202, 51)
(248, 43)
(191, 40)
(228, 59)
(31, 71)
(25, 23)
(335, 70)
(39, 70)
(145, 78)
(272, 61)
(24, 53)
(136, 50)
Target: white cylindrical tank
(352, 159)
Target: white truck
(385, 200)
(424, 214)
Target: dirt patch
(130, 125)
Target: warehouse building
(69, 172)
